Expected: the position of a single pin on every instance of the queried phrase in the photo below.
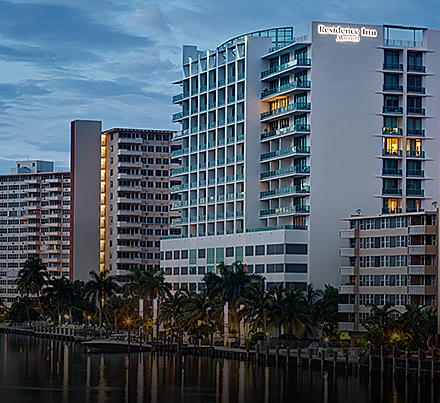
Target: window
(219, 255)
(239, 253)
(184, 271)
(296, 249)
(249, 251)
(259, 268)
(259, 250)
(229, 252)
(201, 253)
(277, 249)
(296, 268)
(210, 257)
(193, 256)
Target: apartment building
(389, 259)
(121, 197)
(34, 222)
(281, 135)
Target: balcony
(231, 99)
(415, 153)
(297, 106)
(393, 66)
(221, 83)
(416, 249)
(392, 130)
(416, 111)
(392, 172)
(392, 152)
(285, 191)
(416, 230)
(391, 210)
(392, 109)
(346, 271)
(286, 87)
(346, 289)
(285, 171)
(391, 191)
(286, 152)
(345, 308)
(346, 233)
(346, 326)
(416, 69)
(286, 66)
(415, 172)
(416, 290)
(212, 85)
(286, 130)
(221, 102)
(416, 90)
(415, 192)
(285, 210)
(194, 91)
(346, 252)
(415, 132)
(416, 269)
(392, 88)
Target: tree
(19, 311)
(100, 287)
(327, 312)
(32, 278)
(115, 306)
(171, 311)
(296, 314)
(60, 293)
(421, 323)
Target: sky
(115, 60)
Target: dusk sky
(114, 61)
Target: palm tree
(32, 278)
(171, 310)
(296, 315)
(59, 294)
(312, 297)
(258, 305)
(100, 287)
(380, 316)
(115, 306)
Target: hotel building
(121, 198)
(282, 135)
(390, 259)
(34, 222)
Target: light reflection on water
(52, 371)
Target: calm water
(39, 370)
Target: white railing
(416, 269)
(346, 252)
(346, 233)
(416, 289)
(416, 249)
(345, 308)
(346, 271)
(346, 289)
(416, 229)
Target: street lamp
(128, 324)
(67, 318)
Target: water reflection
(62, 372)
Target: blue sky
(115, 60)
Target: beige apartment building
(34, 222)
(389, 259)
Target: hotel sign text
(347, 34)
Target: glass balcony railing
(275, 227)
(230, 231)
(211, 144)
(285, 130)
(221, 179)
(389, 151)
(393, 66)
(194, 110)
(177, 97)
(391, 191)
(212, 85)
(230, 178)
(417, 68)
(202, 146)
(176, 188)
(220, 216)
(194, 129)
(221, 102)
(240, 158)
(194, 91)
(202, 165)
(304, 106)
(292, 189)
(210, 233)
(241, 76)
(240, 96)
(231, 140)
(285, 210)
(212, 125)
(221, 161)
(391, 130)
(231, 119)
(239, 195)
(289, 86)
(211, 199)
(193, 184)
(415, 153)
(177, 115)
(202, 200)
(230, 196)
(202, 217)
(220, 197)
(393, 88)
(231, 79)
(285, 66)
(221, 82)
(185, 169)
(240, 117)
(176, 153)
(184, 185)
(295, 169)
(417, 90)
(202, 127)
(231, 99)
(221, 122)
(291, 150)
(211, 217)
(415, 192)
(414, 210)
(392, 109)
(240, 177)
(192, 219)
(193, 148)
(220, 232)
(415, 132)
(416, 111)
(203, 88)
(211, 182)
(211, 105)
(230, 160)
(221, 142)
(391, 171)
(391, 210)
(239, 213)
(240, 137)
(415, 172)
(193, 167)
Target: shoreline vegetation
(232, 308)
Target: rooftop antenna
(434, 204)
(358, 211)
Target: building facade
(131, 193)
(389, 259)
(281, 135)
(34, 222)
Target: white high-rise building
(282, 135)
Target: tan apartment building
(389, 259)
(34, 222)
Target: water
(40, 370)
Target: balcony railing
(416, 111)
(303, 106)
(391, 171)
(413, 67)
(416, 89)
(285, 66)
(285, 210)
(415, 132)
(391, 130)
(392, 109)
(391, 191)
(415, 172)
(276, 227)
(285, 130)
(393, 66)
(292, 189)
(346, 233)
(390, 151)
(285, 87)
(291, 150)
(294, 169)
(415, 153)
(415, 192)
(393, 88)
(391, 210)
